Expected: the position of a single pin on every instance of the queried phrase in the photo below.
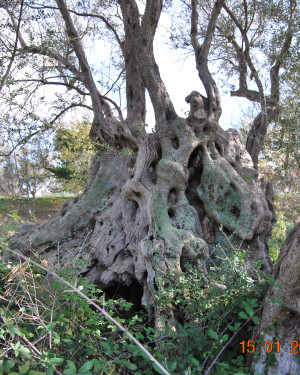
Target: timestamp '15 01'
(249, 346)
(269, 346)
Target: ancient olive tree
(154, 202)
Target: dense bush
(47, 329)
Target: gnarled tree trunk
(182, 190)
(281, 313)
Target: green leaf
(225, 365)
(172, 366)
(107, 347)
(255, 319)
(249, 310)
(50, 326)
(243, 315)
(71, 365)
(87, 366)
(25, 351)
(271, 280)
(68, 341)
(224, 338)
(130, 365)
(157, 368)
(23, 369)
(212, 334)
(11, 327)
(69, 372)
(195, 362)
(56, 338)
(8, 365)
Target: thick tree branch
(211, 29)
(140, 38)
(201, 56)
(84, 65)
(248, 60)
(135, 87)
(100, 126)
(151, 17)
(274, 73)
(15, 48)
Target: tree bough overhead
(180, 191)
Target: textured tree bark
(281, 312)
(175, 198)
(160, 209)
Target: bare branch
(103, 97)
(14, 50)
(45, 81)
(84, 14)
(115, 81)
(251, 95)
(46, 52)
(260, 125)
(48, 126)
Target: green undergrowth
(46, 328)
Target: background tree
(24, 173)
(74, 152)
(185, 187)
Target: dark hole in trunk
(175, 143)
(132, 293)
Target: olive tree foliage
(153, 202)
(256, 49)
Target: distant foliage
(279, 233)
(74, 152)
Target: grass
(42, 203)
(46, 208)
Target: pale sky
(180, 76)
